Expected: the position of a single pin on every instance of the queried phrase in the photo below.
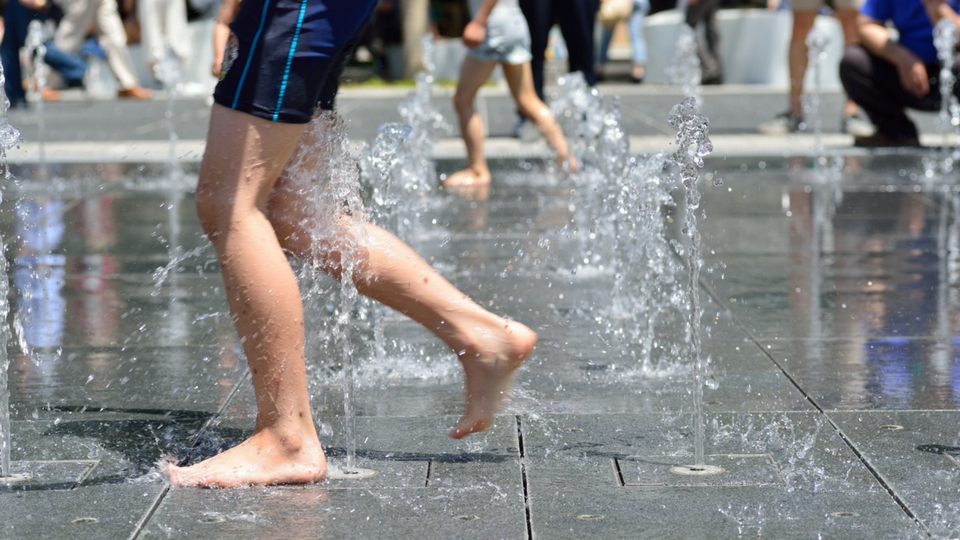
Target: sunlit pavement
(830, 321)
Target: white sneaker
(856, 125)
(782, 124)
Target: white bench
(753, 46)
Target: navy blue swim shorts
(284, 57)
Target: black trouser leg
(873, 83)
(708, 50)
(577, 20)
(539, 15)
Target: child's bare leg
(490, 347)
(473, 74)
(520, 80)
(240, 166)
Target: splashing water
(692, 145)
(324, 180)
(685, 71)
(397, 175)
(599, 144)
(9, 138)
(5, 335)
(35, 49)
(945, 38)
(619, 225)
(647, 293)
(418, 173)
(169, 71)
(397, 172)
(579, 109)
(382, 177)
(610, 152)
(817, 41)
(632, 196)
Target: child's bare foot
(263, 459)
(467, 178)
(488, 369)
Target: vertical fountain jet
(817, 41)
(9, 138)
(945, 38)
(692, 145)
(169, 72)
(35, 50)
(686, 71)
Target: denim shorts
(507, 40)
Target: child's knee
(212, 208)
(462, 103)
(534, 109)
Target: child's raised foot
(488, 371)
(260, 460)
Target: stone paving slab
(447, 488)
(186, 378)
(868, 383)
(480, 512)
(107, 511)
(824, 480)
(124, 448)
(704, 513)
(46, 475)
(914, 453)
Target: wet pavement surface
(830, 319)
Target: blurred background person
(163, 24)
(497, 35)
(804, 15)
(17, 16)
(638, 45)
(886, 76)
(577, 19)
(708, 43)
(78, 15)
(383, 39)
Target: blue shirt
(910, 20)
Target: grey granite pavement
(829, 320)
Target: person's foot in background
(136, 92)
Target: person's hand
(35, 5)
(474, 34)
(913, 75)
(773, 5)
(932, 8)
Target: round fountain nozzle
(696, 470)
(352, 473)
